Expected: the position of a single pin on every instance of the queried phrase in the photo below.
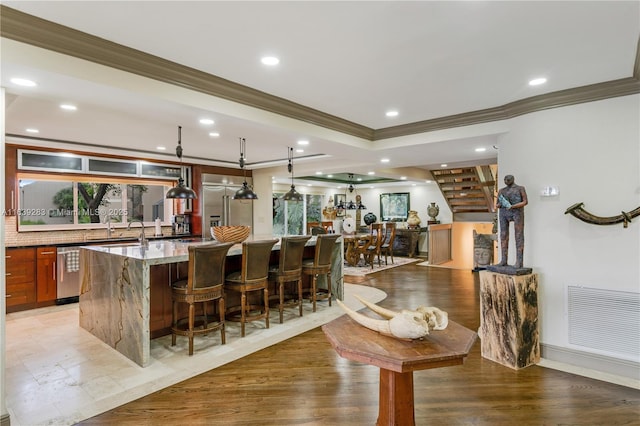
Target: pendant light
(351, 205)
(181, 191)
(244, 193)
(292, 195)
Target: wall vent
(606, 320)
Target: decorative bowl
(230, 234)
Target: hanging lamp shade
(292, 194)
(245, 192)
(181, 191)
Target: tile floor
(58, 373)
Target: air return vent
(606, 320)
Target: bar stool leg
(300, 295)
(266, 305)
(223, 332)
(314, 290)
(174, 323)
(243, 302)
(281, 307)
(192, 313)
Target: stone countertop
(170, 251)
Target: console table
(406, 242)
(398, 359)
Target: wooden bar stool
(252, 277)
(289, 269)
(204, 283)
(320, 265)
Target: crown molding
(45, 34)
(19, 26)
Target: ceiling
(341, 63)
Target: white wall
(592, 153)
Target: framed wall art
(394, 207)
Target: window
(48, 202)
(290, 218)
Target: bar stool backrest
(291, 252)
(324, 249)
(206, 266)
(255, 259)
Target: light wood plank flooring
(302, 381)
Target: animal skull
(404, 325)
(436, 318)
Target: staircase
(469, 192)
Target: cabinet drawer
(20, 293)
(46, 252)
(19, 255)
(21, 272)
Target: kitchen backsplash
(13, 238)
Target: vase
(413, 220)
(433, 211)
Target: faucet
(107, 221)
(142, 239)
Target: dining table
(354, 246)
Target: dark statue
(511, 201)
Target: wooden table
(398, 359)
(352, 247)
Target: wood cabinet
(406, 242)
(46, 274)
(11, 165)
(20, 278)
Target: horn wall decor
(579, 212)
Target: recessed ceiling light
(403, 178)
(537, 81)
(303, 142)
(318, 173)
(443, 165)
(359, 179)
(270, 60)
(68, 107)
(206, 121)
(384, 160)
(299, 150)
(32, 130)
(329, 176)
(413, 184)
(481, 149)
(371, 173)
(391, 113)
(427, 181)
(23, 82)
(214, 134)
(161, 148)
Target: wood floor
(302, 381)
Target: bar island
(125, 293)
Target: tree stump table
(398, 359)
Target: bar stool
(204, 283)
(320, 265)
(252, 277)
(289, 268)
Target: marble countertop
(170, 251)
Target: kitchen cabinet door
(20, 278)
(46, 274)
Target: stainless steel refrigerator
(219, 208)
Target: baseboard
(601, 367)
(5, 420)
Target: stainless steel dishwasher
(68, 274)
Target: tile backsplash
(13, 238)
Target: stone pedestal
(509, 319)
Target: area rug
(361, 271)
(58, 373)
